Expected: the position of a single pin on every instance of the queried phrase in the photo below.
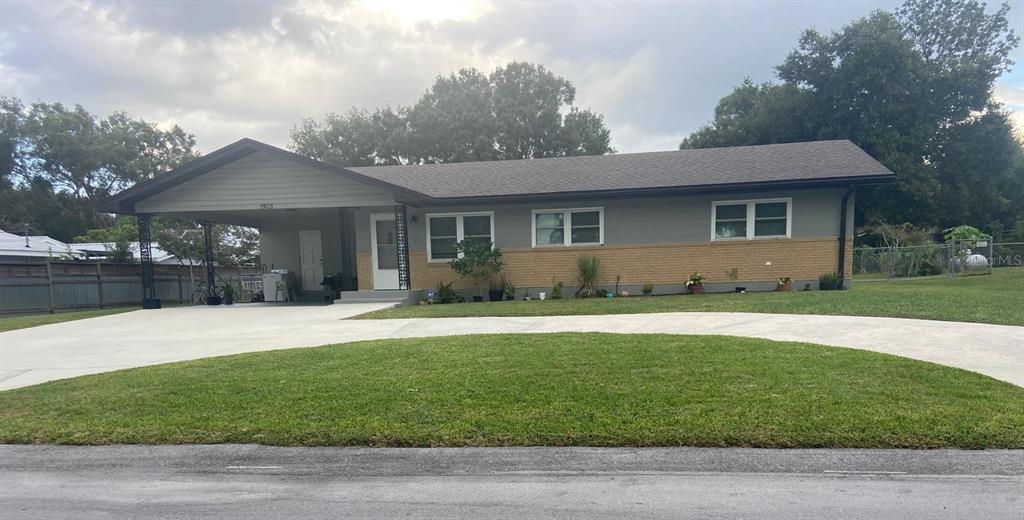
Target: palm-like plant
(587, 269)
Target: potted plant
(695, 283)
(212, 297)
(496, 293)
(510, 290)
(477, 260)
(785, 284)
(647, 289)
(587, 269)
(229, 293)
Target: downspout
(842, 230)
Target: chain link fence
(954, 258)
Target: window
(444, 231)
(565, 227)
(750, 219)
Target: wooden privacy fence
(58, 286)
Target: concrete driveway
(140, 338)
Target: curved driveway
(140, 338)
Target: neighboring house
(764, 211)
(39, 248)
(34, 249)
(100, 251)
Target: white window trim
(566, 226)
(751, 220)
(459, 231)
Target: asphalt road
(243, 482)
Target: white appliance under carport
(272, 281)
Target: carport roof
(805, 164)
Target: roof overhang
(707, 189)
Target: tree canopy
(518, 111)
(59, 163)
(912, 88)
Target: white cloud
(1012, 97)
(224, 70)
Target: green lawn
(518, 390)
(998, 298)
(23, 321)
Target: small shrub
(445, 293)
(647, 289)
(695, 279)
(830, 282)
(587, 268)
(510, 290)
(556, 290)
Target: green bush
(478, 260)
(830, 282)
(587, 269)
(445, 294)
(556, 290)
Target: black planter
(213, 300)
(478, 299)
(495, 295)
(229, 300)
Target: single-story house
(741, 216)
(34, 249)
(102, 250)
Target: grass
(998, 298)
(24, 321)
(517, 390)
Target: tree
(93, 158)
(356, 138)
(59, 163)
(477, 260)
(913, 89)
(516, 112)
(453, 121)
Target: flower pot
(696, 288)
(542, 295)
(509, 297)
(213, 300)
(495, 295)
(229, 300)
(786, 287)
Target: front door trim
(383, 279)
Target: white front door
(311, 260)
(384, 245)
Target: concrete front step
(375, 297)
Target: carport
(315, 220)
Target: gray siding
(261, 179)
(642, 221)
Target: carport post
(149, 299)
(211, 275)
(402, 239)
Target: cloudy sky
(230, 69)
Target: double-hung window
(567, 227)
(445, 230)
(748, 219)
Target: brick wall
(800, 259)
